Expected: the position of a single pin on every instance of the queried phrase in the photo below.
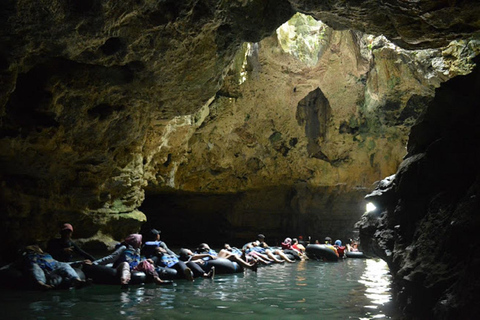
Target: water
(349, 289)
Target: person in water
(48, 273)
(63, 249)
(352, 246)
(298, 246)
(271, 252)
(195, 263)
(127, 259)
(288, 248)
(204, 248)
(340, 248)
(162, 256)
(328, 243)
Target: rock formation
(426, 225)
(221, 121)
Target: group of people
(148, 254)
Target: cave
(220, 120)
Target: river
(348, 289)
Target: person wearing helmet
(64, 249)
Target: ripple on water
(350, 289)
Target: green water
(349, 289)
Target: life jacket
(44, 261)
(236, 251)
(258, 249)
(168, 260)
(340, 250)
(210, 252)
(149, 248)
(130, 256)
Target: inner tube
(321, 252)
(354, 254)
(11, 277)
(107, 275)
(222, 266)
(292, 254)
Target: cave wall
(82, 85)
(427, 220)
(236, 218)
(325, 130)
(97, 95)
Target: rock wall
(318, 120)
(101, 100)
(426, 222)
(82, 85)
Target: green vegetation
(303, 37)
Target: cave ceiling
(94, 93)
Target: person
(340, 248)
(194, 262)
(352, 246)
(271, 252)
(46, 272)
(162, 256)
(252, 252)
(126, 258)
(328, 242)
(288, 248)
(204, 248)
(287, 244)
(63, 248)
(254, 248)
(298, 246)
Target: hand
(151, 261)
(87, 262)
(68, 250)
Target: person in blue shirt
(48, 273)
(162, 256)
(126, 258)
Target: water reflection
(376, 279)
(350, 289)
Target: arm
(112, 257)
(164, 246)
(81, 252)
(201, 256)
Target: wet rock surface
(425, 225)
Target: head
(134, 240)
(287, 241)
(338, 243)
(227, 246)
(185, 254)
(328, 240)
(153, 235)
(261, 237)
(203, 247)
(66, 230)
